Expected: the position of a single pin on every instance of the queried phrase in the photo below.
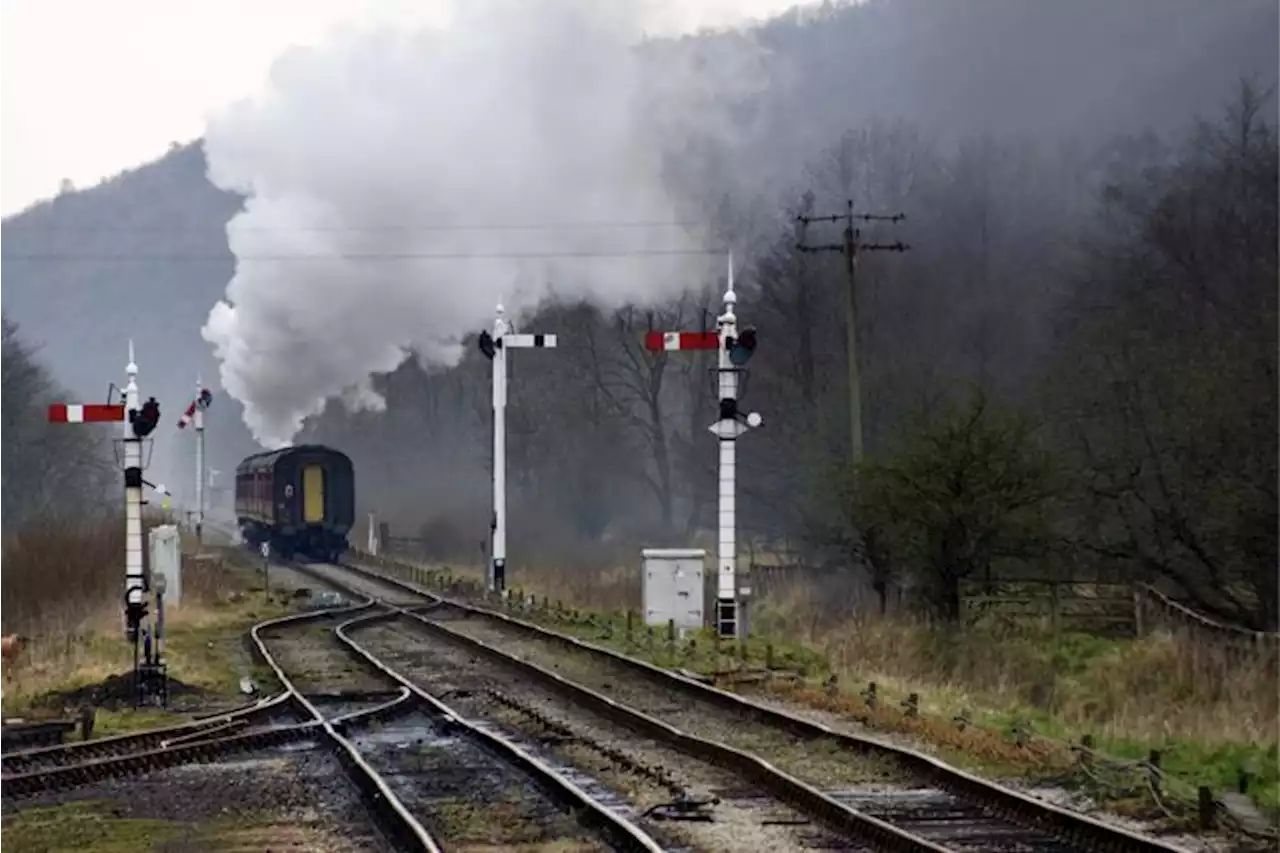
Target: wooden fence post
(1139, 626)
(1054, 608)
(1207, 808)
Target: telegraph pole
(494, 346)
(850, 246)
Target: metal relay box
(672, 587)
(166, 563)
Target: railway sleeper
(619, 758)
(617, 830)
(78, 753)
(203, 752)
(787, 788)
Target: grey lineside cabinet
(672, 587)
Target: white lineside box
(166, 562)
(672, 590)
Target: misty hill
(88, 269)
(1052, 69)
(145, 253)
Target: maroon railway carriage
(300, 499)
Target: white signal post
(134, 582)
(727, 429)
(137, 421)
(372, 546)
(494, 346)
(199, 425)
(77, 413)
(498, 551)
(730, 344)
(195, 415)
(265, 550)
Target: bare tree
(1172, 372)
(50, 471)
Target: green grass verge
(86, 825)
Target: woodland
(1072, 372)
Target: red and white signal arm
(85, 413)
(674, 341)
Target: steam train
(302, 500)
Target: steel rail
(403, 824)
(73, 753)
(88, 772)
(795, 792)
(623, 834)
(1012, 805)
(789, 789)
(382, 711)
(201, 751)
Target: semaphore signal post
(195, 415)
(138, 422)
(734, 351)
(494, 346)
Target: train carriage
(300, 499)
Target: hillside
(88, 269)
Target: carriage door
(312, 494)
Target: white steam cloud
(373, 162)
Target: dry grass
(578, 580)
(1158, 687)
(1209, 710)
(57, 577)
(1153, 688)
(571, 576)
(62, 591)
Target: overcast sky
(92, 87)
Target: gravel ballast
(633, 770)
(273, 798)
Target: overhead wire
(439, 226)
(353, 256)
(426, 255)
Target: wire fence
(1179, 800)
(1156, 611)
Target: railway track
(748, 786)
(542, 802)
(689, 796)
(486, 760)
(434, 769)
(933, 805)
(206, 740)
(263, 711)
